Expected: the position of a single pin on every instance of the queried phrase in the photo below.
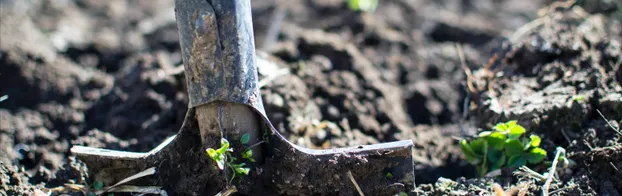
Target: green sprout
(248, 154)
(363, 5)
(223, 157)
(578, 98)
(505, 146)
(389, 176)
(220, 155)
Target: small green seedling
(505, 146)
(389, 176)
(220, 155)
(363, 5)
(223, 157)
(578, 98)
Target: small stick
(356, 185)
(256, 144)
(610, 125)
(566, 136)
(549, 178)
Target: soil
(107, 74)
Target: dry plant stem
(609, 123)
(549, 178)
(356, 185)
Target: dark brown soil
(106, 74)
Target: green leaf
(220, 163)
(526, 143)
(212, 153)
(389, 176)
(245, 138)
(496, 159)
(248, 153)
(242, 170)
(516, 161)
(481, 170)
(98, 185)
(513, 147)
(505, 126)
(364, 5)
(495, 155)
(217, 156)
(535, 140)
(516, 131)
(496, 140)
(470, 156)
(224, 146)
(479, 146)
(402, 194)
(484, 133)
(536, 155)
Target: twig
(610, 125)
(552, 170)
(614, 166)
(566, 136)
(256, 144)
(524, 171)
(356, 185)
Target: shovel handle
(218, 50)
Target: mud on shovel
(216, 38)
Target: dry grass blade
(139, 189)
(356, 185)
(144, 173)
(552, 170)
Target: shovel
(216, 38)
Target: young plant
(504, 146)
(223, 157)
(363, 5)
